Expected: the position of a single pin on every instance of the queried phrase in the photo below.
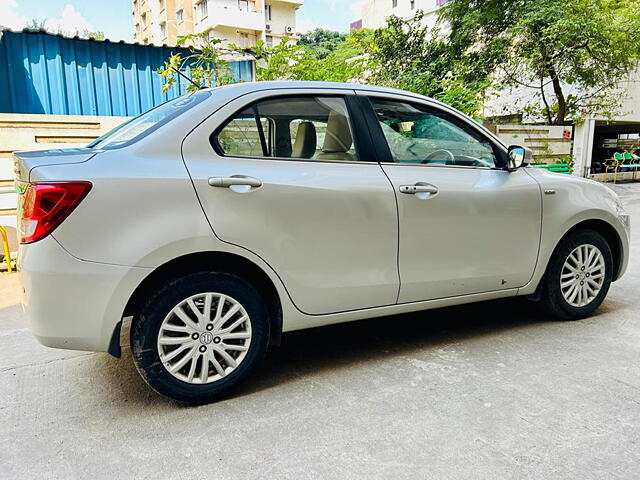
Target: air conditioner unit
(289, 29)
(268, 27)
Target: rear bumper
(71, 303)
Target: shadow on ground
(342, 346)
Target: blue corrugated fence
(45, 73)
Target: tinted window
(418, 134)
(144, 124)
(305, 127)
(241, 135)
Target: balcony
(231, 16)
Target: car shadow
(342, 345)
(308, 352)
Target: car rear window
(146, 123)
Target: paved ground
(493, 390)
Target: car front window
(420, 135)
(146, 123)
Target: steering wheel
(437, 152)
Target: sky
(114, 18)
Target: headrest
(338, 137)
(306, 141)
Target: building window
(413, 4)
(201, 10)
(163, 29)
(394, 3)
(244, 39)
(143, 17)
(179, 16)
(267, 13)
(269, 41)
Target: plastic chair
(632, 161)
(612, 164)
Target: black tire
(553, 301)
(146, 327)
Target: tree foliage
(572, 53)
(408, 55)
(289, 61)
(206, 65)
(322, 42)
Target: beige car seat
(306, 141)
(337, 140)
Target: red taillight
(44, 206)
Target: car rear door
(466, 225)
(290, 175)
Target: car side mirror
(518, 156)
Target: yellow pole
(5, 244)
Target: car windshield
(146, 123)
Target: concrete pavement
(491, 390)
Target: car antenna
(187, 78)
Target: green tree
(572, 53)
(322, 42)
(282, 61)
(408, 55)
(288, 61)
(206, 64)
(97, 35)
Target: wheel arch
(203, 261)
(609, 233)
(605, 229)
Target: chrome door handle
(413, 189)
(235, 180)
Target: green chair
(612, 164)
(631, 161)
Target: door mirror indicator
(518, 156)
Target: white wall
(375, 12)
(282, 16)
(512, 100)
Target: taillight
(44, 206)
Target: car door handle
(235, 180)
(418, 188)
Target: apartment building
(375, 12)
(242, 22)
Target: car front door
(288, 176)
(466, 225)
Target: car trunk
(25, 162)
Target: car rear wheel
(578, 275)
(199, 336)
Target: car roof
(282, 84)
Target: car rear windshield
(144, 124)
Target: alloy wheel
(582, 275)
(204, 338)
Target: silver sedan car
(225, 217)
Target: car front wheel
(199, 336)
(578, 275)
